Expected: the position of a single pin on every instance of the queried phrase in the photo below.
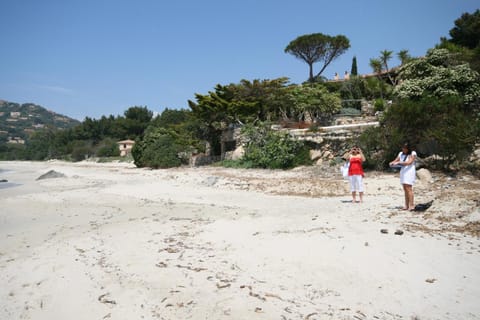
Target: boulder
(51, 175)
(315, 154)
(327, 155)
(424, 175)
(238, 153)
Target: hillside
(18, 121)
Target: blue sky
(88, 58)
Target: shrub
(108, 148)
(379, 105)
(266, 148)
(158, 149)
(440, 126)
(81, 150)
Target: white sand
(110, 241)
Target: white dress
(407, 173)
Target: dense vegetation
(88, 138)
(437, 108)
(434, 104)
(19, 122)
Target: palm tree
(376, 65)
(385, 56)
(404, 56)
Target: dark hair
(408, 147)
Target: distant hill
(19, 121)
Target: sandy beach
(111, 241)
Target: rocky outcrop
(52, 174)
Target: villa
(125, 147)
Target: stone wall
(327, 143)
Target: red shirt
(355, 166)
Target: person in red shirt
(355, 173)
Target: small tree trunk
(310, 78)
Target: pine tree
(354, 70)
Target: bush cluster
(435, 126)
(159, 148)
(270, 149)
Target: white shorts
(356, 183)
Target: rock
(327, 155)
(52, 174)
(315, 155)
(476, 153)
(210, 181)
(238, 153)
(200, 160)
(3, 180)
(424, 175)
(384, 230)
(399, 232)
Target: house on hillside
(15, 140)
(125, 147)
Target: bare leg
(361, 196)
(354, 196)
(405, 207)
(409, 195)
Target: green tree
(214, 113)
(375, 87)
(436, 108)
(404, 57)
(354, 70)
(171, 118)
(352, 91)
(258, 99)
(318, 47)
(376, 65)
(312, 101)
(159, 148)
(439, 74)
(187, 128)
(237, 103)
(465, 39)
(81, 150)
(439, 126)
(466, 32)
(107, 148)
(137, 120)
(385, 57)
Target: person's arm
(361, 154)
(396, 161)
(409, 159)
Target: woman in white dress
(406, 160)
